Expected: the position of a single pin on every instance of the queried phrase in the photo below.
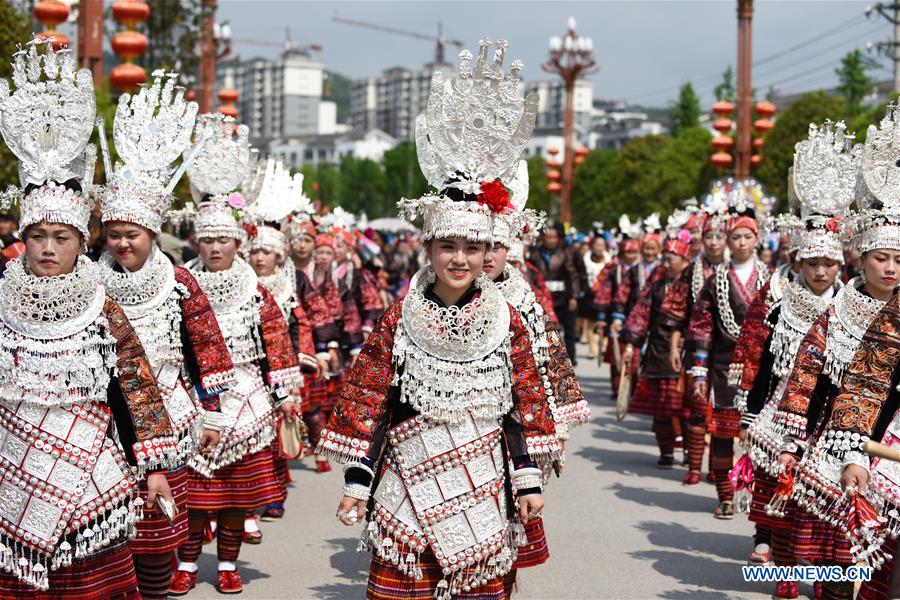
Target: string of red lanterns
(129, 44)
(723, 143)
(51, 13)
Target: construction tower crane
(288, 44)
(440, 40)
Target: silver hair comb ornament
(826, 165)
(151, 130)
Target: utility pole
(743, 151)
(889, 48)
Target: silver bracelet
(527, 477)
(357, 491)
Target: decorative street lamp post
(213, 35)
(571, 57)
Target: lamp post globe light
(571, 57)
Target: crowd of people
(161, 367)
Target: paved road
(617, 527)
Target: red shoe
(760, 558)
(229, 582)
(272, 513)
(691, 478)
(251, 537)
(323, 466)
(786, 590)
(182, 583)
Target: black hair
(70, 184)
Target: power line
(852, 22)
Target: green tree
(631, 187)
(679, 171)
(792, 126)
(174, 28)
(591, 189)
(685, 113)
(403, 177)
(855, 83)
(725, 91)
(363, 187)
(15, 28)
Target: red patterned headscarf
(743, 221)
(629, 245)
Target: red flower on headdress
(494, 195)
(250, 229)
(833, 225)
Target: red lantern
(554, 175)
(763, 125)
(129, 44)
(553, 187)
(127, 77)
(758, 143)
(51, 13)
(60, 40)
(722, 142)
(765, 109)
(721, 159)
(755, 160)
(130, 12)
(722, 125)
(552, 150)
(553, 164)
(723, 109)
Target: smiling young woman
(170, 313)
(75, 377)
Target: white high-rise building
(392, 102)
(280, 98)
(552, 104)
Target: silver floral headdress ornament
(278, 195)
(468, 142)
(151, 130)
(878, 189)
(824, 176)
(216, 173)
(47, 123)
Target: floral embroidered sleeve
(282, 366)
(302, 339)
(698, 338)
(801, 392)
(321, 319)
(148, 432)
(638, 323)
(603, 295)
(532, 399)
(865, 388)
(750, 344)
(206, 349)
(364, 399)
(370, 305)
(622, 299)
(571, 407)
(674, 312)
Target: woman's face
(650, 251)
(819, 273)
(675, 264)
(51, 249)
(457, 261)
(324, 256)
(714, 245)
(263, 261)
(882, 270)
(599, 246)
(303, 246)
(129, 244)
(742, 244)
(217, 253)
(495, 261)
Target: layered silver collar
(143, 290)
(50, 307)
(226, 290)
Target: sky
(645, 49)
